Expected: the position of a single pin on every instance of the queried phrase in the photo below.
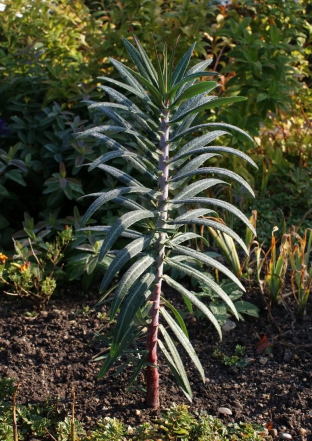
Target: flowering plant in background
(32, 273)
(3, 125)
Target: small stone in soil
(228, 326)
(273, 433)
(225, 410)
(302, 431)
(286, 436)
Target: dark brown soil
(52, 352)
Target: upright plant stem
(152, 374)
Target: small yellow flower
(3, 258)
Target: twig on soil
(15, 432)
(50, 434)
(73, 415)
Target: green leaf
(177, 316)
(150, 87)
(122, 257)
(123, 345)
(195, 188)
(129, 234)
(147, 62)
(128, 279)
(137, 294)
(219, 171)
(121, 175)
(185, 342)
(138, 368)
(109, 156)
(187, 236)
(195, 163)
(217, 149)
(213, 124)
(31, 234)
(121, 225)
(204, 279)
(193, 214)
(205, 104)
(175, 363)
(248, 308)
(209, 261)
(180, 68)
(195, 301)
(128, 203)
(107, 196)
(217, 202)
(139, 61)
(213, 224)
(204, 86)
(138, 117)
(275, 34)
(201, 141)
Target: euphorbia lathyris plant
(152, 133)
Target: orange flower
(3, 258)
(23, 268)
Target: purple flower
(3, 128)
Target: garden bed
(50, 353)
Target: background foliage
(52, 53)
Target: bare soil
(50, 353)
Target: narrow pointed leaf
(219, 171)
(129, 234)
(195, 163)
(197, 68)
(181, 67)
(138, 116)
(128, 279)
(121, 225)
(124, 344)
(195, 188)
(175, 363)
(177, 315)
(214, 124)
(137, 60)
(204, 279)
(180, 127)
(123, 256)
(185, 342)
(210, 103)
(195, 89)
(217, 149)
(180, 249)
(138, 368)
(222, 204)
(152, 89)
(201, 141)
(185, 389)
(215, 225)
(128, 203)
(193, 214)
(187, 236)
(147, 62)
(107, 196)
(121, 175)
(137, 295)
(170, 64)
(133, 90)
(195, 301)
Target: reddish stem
(152, 374)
